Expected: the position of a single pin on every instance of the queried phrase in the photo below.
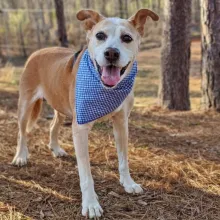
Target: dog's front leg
(120, 126)
(90, 204)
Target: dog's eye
(101, 36)
(126, 38)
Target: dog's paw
(134, 188)
(58, 151)
(21, 158)
(130, 186)
(92, 209)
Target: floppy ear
(138, 20)
(89, 17)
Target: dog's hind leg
(28, 111)
(54, 131)
(120, 126)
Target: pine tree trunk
(22, 42)
(86, 4)
(45, 29)
(61, 23)
(103, 8)
(210, 25)
(121, 9)
(137, 4)
(38, 31)
(175, 57)
(49, 6)
(126, 9)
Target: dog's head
(113, 43)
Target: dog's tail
(34, 114)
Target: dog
(52, 74)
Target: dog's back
(47, 74)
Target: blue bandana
(93, 99)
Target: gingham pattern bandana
(93, 99)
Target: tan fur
(49, 73)
(34, 114)
(89, 17)
(52, 70)
(139, 18)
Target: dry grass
(174, 155)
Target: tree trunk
(38, 31)
(196, 12)
(45, 28)
(137, 4)
(103, 8)
(22, 42)
(175, 55)
(126, 9)
(87, 4)
(61, 23)
(49, 6)
(7, 32)
(210, 20)
(121, 9)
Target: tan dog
(49, 73)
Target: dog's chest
(110, 115)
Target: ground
(174, 155)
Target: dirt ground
(174, 155)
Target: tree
(175, 55)
(138, 4)
(210, 25)
(126, 9)
(121, 8)
(45, 27)
(87, 3)
(61, 23)
(103, 8)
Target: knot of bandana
(93, 99)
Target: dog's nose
(112, 54)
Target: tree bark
(175, 55)
(61, 23)
(45, 28)
(126, 9)
(103, 8)
(121, 9)
(22, 42)
(137, 4)
(210, 25)
(196, 12)
(49, 6)
(38, 31)
(87, 4)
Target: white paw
(20, 158)
(134, 188)
(92, 209)
(130, 186)
(58, 151)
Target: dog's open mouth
(111, 74)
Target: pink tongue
(110, 75)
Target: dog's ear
(138, 20)
(89, 17)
